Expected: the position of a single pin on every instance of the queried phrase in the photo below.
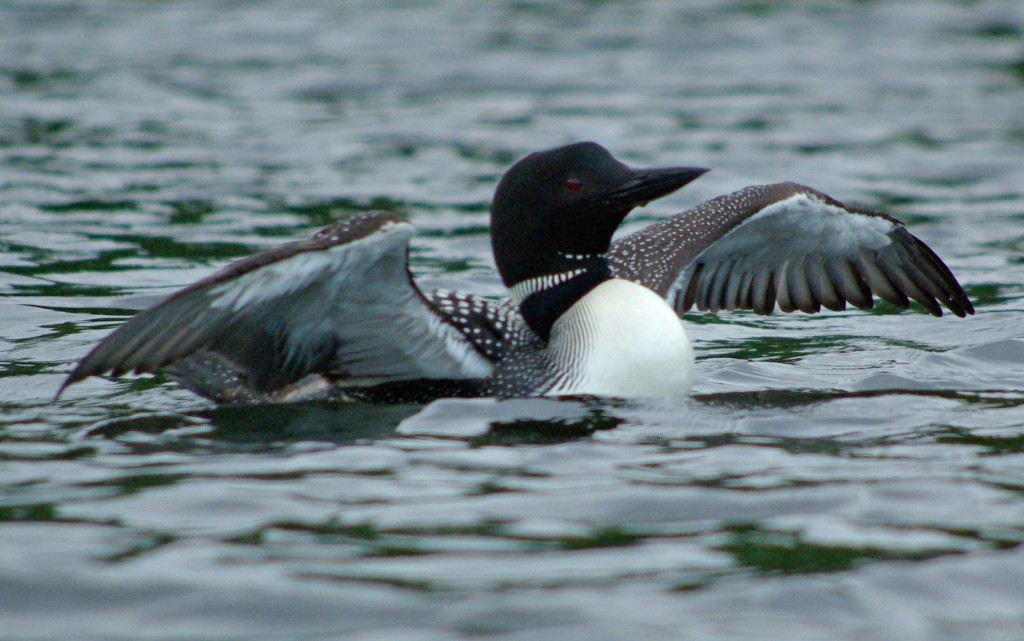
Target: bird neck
(542, 299)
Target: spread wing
(790, 245)
(341, 303)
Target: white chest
(621, 339)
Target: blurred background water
(855, 475)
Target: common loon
(339, 316)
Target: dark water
(853, 476)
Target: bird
(340, 317)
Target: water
(844, 476)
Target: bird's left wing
(787, 244)
(341, 303)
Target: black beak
(646, 185)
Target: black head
(568, 201)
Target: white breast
(621, 339)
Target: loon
(340, 317)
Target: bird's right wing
(787, 244)
(342, 303)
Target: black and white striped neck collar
(542, 299)
(569, 266)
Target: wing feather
(800, 289)
(869, 266)
(787, 245)
(691, 289)
(763, 292)
(732, 286)
(822, 287)
(743, 298)
(709, 293)
(782, 298)
(341, 303)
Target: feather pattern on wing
(787, 245)
(341, 304)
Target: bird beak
(645, 185)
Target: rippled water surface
(850, 476)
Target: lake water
(845, 476)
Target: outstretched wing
(787, 244)
(341, 303)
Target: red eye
(573, 184)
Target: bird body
(625, 341)
(339, 315)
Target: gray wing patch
(786, 245)
(341, 303)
